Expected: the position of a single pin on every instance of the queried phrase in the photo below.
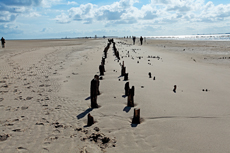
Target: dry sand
(45, 86)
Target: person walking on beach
(134, 38)
(141, 40)
(3, 42)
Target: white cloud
(49, 3)
(63, 18)
(72, 3)
(45, 30)
(32, 14)
(121, 12)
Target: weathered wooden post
(90, 120)
(127, 89)
(103, 61)
(150, 75)
(174, 90)
(154, 78)
(132, 90)
(94, 90)
(123, 70)
(130, 102)
(102, 69)
(126, 76)
(136, 117)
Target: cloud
(21, 2)
(49, 3)
(212, 13)
(122, 12)
(62, 19)
(7, 17)
(72, 3)
(8, 29)
(11, 9)
(45, 29)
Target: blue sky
(37, 19)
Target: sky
(39, 19)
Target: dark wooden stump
(94, 89)
(103, 61)
(126, 76)
(127, 89)
(150, 75)
(90, 120)
(94, 101)
(154, 78)
(123, 69)
(130, 102)
(101, 69)
(174, 90)
(132, 90)
(136, 117)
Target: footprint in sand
(29, 98)
(22, 149)
(51, 138)
(17, 130)
(4, 137)
(44, 150)
(39, 124)
(1, 99)
(24, 107)
(9, 124)
(58, 107)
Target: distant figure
(141, 40)
(3, 42)
(134, 38)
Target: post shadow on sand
(124, 96)
(133, 125)
(83, 114)
(127, 109)
(88, 98)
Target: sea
(211, 37)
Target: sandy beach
(45, 97)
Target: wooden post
(136, 117)
(130, 102)
(102, 69)
(150, 75)
(103, 61)
(94, 101)
(127, 89)
(94, 89)
(132, 90)
(174, 90)
(126, 76)
(130, 98)
(90, 120)
(123, 70)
